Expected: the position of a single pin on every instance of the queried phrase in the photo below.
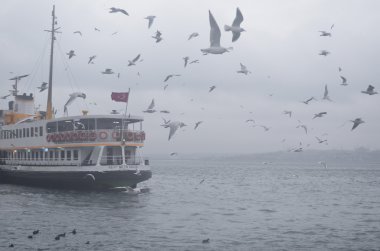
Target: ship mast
(49, 106)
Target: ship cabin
(86, 140)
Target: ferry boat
(96, 152)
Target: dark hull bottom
(76, 180)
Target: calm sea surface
(237, 205)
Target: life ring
(48, 138)
(115, 135)
(130, 136)
(103, 135)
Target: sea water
(236, 205)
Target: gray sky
(280, 47)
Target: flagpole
(126, 105)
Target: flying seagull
(235, 27)
(170, 76)
(96, 29)
(212, 88)
(308, 100)
(78, 32)
(326, 94)
(303, 127)
(325, 34)
(196, 61)
(71, 54)
(90, 60)
(19, 77)
(133, 62)
(150, 19)
(197, 124)
(243, 69)
(192, 35)
(356, 122)
(4, 97)
(288, 113)
(107, 71)
(173, 126)
(157, 36)
(344, 81)
(73, 96)
(324, 53)
(43, 86)
(320, 141)
(319, 115)
(150, 107)
(186, 59)
(370, 90)
(115, 10)
(215, 34)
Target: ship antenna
(49, 106)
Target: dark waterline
(239, 206)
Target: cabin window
(37, 155)
(51, 153)
(31, 132)
(62, 155)
(51, 127)
(19, 133)
(112, 155)
(23, 133)
(36, 132)
(46, 155)
(68, 154)
(41, 131)
(85, 124)
(65, 125)
(108, 123)
(16, 133)
(56, 153)
(76, 154)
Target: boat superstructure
(85, 151)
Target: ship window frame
(32, 132)
(65, 125)
(68, 155)
(36, 133)
(75, 154)
(56, 155)
(103, 123)
(51, 155)
(62, 154)
(51, 127)
(41, 131)
(23, 133)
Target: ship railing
(118, 160)
(83, 136)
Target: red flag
(120, 96)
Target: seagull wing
(326, 94)
(173, 128)
(370, 88)
(214, 32)
(136, 58)
(167, 78)
(238, 19)
(150, 22)
(235, 35)
(151, 106)
(344, 80)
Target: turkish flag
(120, 96)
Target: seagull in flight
(356, 122)
(319, 115)
(196, 61)
(173, 126)
(344, 81)
(326, 94)
(43, 86)
(5, 97)
(215, 34)
(157, 36)
(71, 54)
(324, 53)
(320, 141)
(212, 88)
(192, 35)
(288, 113)
(325, 34)
(170, 76)
(303, 127)
(150, 107)
(78, 32)
(91, 59)
(115, 10)
(108, 71)
(96, 29)
(235, 27)
(186, 59)
(133, 62)
(308, 100)
(150, 19)
(73, 96)
(243, 69)
(197, 124)
(370, 90)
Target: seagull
(308, 100)
(151, 19)
(170, 76)
(173, 127)
(320, 141)
(326, 94)
(235, 27)
(150, 108)
(319, 115)
(215, 34)
(370, 90)
(196, 61)
(5, 97)
(212, 88)
(96, 29)
(78, 32)
(43, 86)
(265, 127)
(250, 120)
(115, 10)
(19, 77)
(206, 241)
(74, 231)
(36, 232)
(322, 163)
(339, 69)
(332, 26)
(186, 59)
(164, 111)
(344, 81)
(108, 71)
(73, 96)
(157, 36)
(303, 126)
(173, 154)
(288, 113)
(192, 35)
(324, 53)
(71, 54)
(356, 122)
(197, 124)
(133, 62)
(166, 86)
(243, 69)
(166, 123)
(114, 33)
(90, 60)
(325, 34)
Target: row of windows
(42, 155)
(22, 133)
(84, 124)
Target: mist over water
(237, 204)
